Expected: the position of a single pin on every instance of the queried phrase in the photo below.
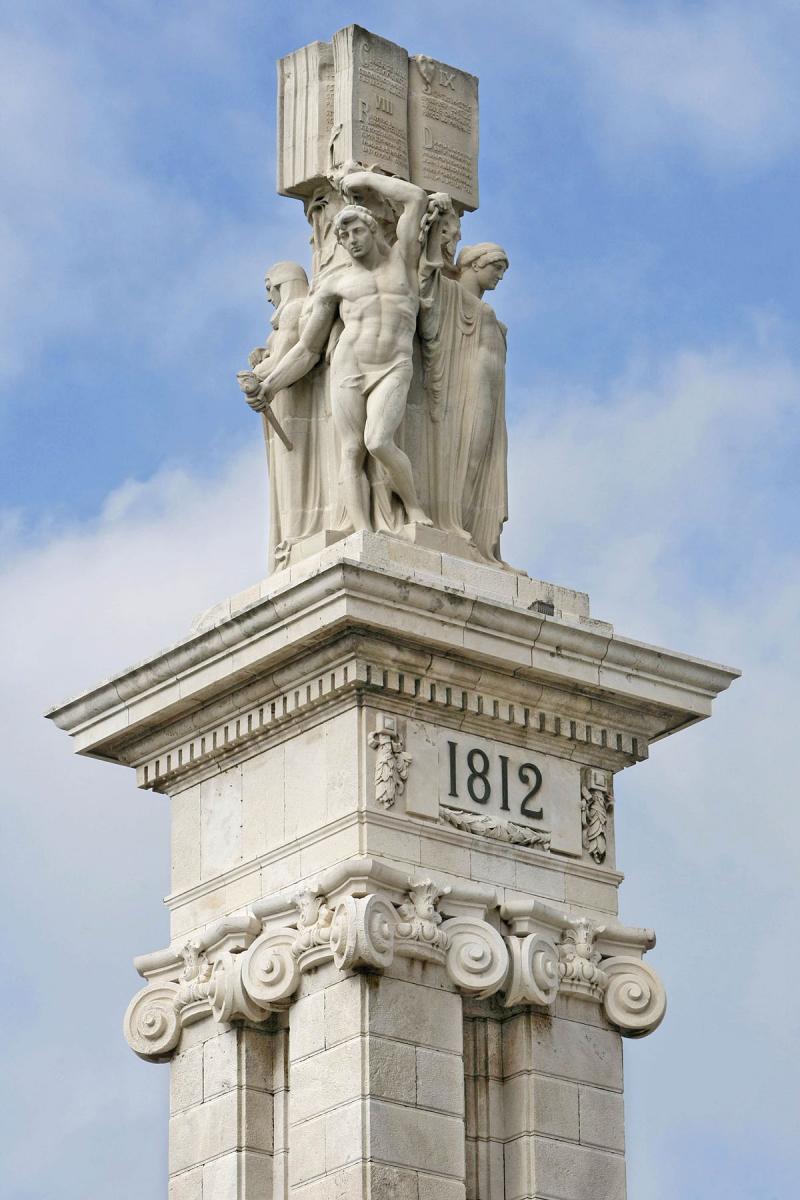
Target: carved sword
(269, 415)
(251, 386)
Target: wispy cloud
(100, 228)
(81, 889)
(684, 462)
(673, 497)
(718, 79)
(662, 496)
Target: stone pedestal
(395, 967)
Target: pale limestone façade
(395, 967)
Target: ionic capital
(363, 915)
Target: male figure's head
(487, 261)
(357, 230)
(285, 281)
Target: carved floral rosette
(529, 955)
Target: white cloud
(90, 854)
(717, 78)
(679, 462)
(629, 493)
(102, 228)
(673, 498)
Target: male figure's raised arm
(308, 350)
(413, 199)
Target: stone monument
(395, 967)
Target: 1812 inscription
(470, 769)
(518, 784)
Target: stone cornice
(250, 647)
(187, 748)
(312, 688)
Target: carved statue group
(382, 385)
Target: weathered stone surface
(370, 101)
(443, 129)
(305, 118)
(361, 97)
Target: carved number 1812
(479, 785)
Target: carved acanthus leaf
(418, 932)
(235, 975)
(579, 959)
(196, 973)
(596, 804)
(314, 926)
(391, 765)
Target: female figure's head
(481, 267)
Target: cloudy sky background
(640, 163)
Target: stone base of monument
(395, 967)
(311, 546)
(443, 542)
(438, 540)
(427, 560)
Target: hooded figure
(302, 481)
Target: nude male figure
(376, 295)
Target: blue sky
(640, 163)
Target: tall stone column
(376, 1079)
(226, 1088)
(562, 1105)
(395, 966)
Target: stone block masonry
(395, 966)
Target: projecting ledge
(355, 588)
